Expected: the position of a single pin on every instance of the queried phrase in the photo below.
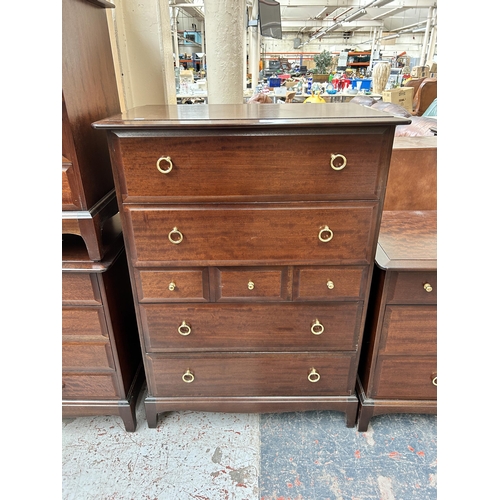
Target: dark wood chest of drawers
(102, 370)
(398, 369)
(250, 233)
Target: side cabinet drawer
(79, 288)
(250, 375)
(79, 386)
(413, 287)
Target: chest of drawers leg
(250, 267)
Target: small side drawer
(87, 357)
(412, 287)
(173, 285)
(87, 322)
(251, 284)
(83, 386)
(79, 288)
(263, 374)
(329, 283)
(405, 377)
(409, 330)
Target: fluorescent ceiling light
(380, 3)
(390, 37)
(389, 13)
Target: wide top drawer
(235, 166)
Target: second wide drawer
(251, 327)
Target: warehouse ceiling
(308, 19)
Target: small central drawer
(250, 284)
(332, 166)
(251, 327)
(413, 287)
(231, 235)
(264, 374)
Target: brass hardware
(171, 287)
(435, 381)
(330, 284)
(317, 328)
(184, 329)
(251, 285)
(325, 234)
(313, 375)
(178, 234)
(427, 287)
(334, 157)
(168, 160)
(188, 376)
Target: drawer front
(405, 378)
(413, 288)
(173, 285)
(86, 322)
(329, 283)
(253, 284)
(251, 327)
(78, 288)
(87, 357)
(99, 386)
(409, 330)
(234, 374)
(249, 167)
(266, 234)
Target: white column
(176, 38)
(224, 22)
(425, 40)
(254, 42)
(167, 53)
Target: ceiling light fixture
(356, 15)
(380, 3)
(389, 13)
(390, 37)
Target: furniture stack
(252, 262)
(101, 361)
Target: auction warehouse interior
(249, 249)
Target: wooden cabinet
(102, 369)
(250, 234)
(398, 368)
(89, 91)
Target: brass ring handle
(317, 328)
(178, 236)
(325, 234)
(251, 285)
(188, 376)
(168, 160)
(330, 285)
(435, 381)
(334, 157)
(171, 287)
(184, 329)
(313, 376)
(427, 287)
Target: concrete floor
(219, 456)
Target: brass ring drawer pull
(325, 234)
(175, 236)
(330, 285)
(188, 376)
(427, 287)
(317, 328)
(435, 381)
(340, 167)
(168, 160)
(171, 287)
(251, 285)
(313, 375)
(184, 329)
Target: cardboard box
(420, 72)
(400, 95)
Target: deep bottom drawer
(406, 378)
(99, 386)
(263, 374)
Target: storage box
(420, 72)
(400, 95)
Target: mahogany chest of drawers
(398, 368)
(250, 234)
(101, 357)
